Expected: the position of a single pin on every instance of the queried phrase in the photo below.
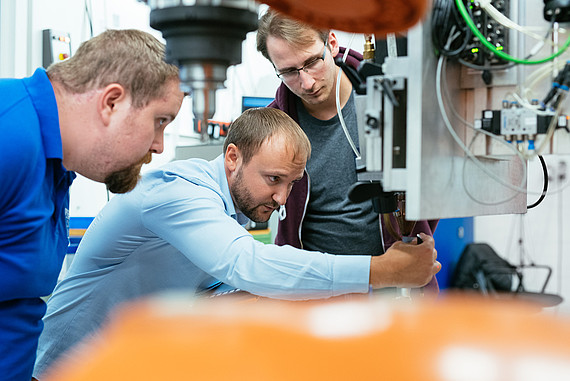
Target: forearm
(380, 273)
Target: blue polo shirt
(34, 215)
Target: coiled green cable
(498, 53)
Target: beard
(125, 180)
(245, 202)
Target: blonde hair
(296, 33)
(132, 58)
(257, 125)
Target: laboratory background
(479, 201)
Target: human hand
(405, 264)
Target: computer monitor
(251, 102)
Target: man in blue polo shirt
(102, 114)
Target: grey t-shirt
(333, 223)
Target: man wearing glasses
(319, 214)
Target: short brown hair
(132, 58)
(275, 24)
(257, 125)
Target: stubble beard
(244, 199)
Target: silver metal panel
(438, 181)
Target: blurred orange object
(461, 338)
(362, 16)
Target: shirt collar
(43, 97)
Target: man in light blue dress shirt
(182, 228)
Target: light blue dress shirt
(178, 230)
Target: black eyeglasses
(311, 67)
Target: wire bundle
(560, 86)
(447, 22)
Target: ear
(232, 158)
(108, 100)
(333, 44)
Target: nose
(280, 196)
(157, 145)
(307, 81)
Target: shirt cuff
(351, 274)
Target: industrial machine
(203, 39)
(459, 124)
(449, 117)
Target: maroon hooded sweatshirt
(289, 230)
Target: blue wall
(451, 237)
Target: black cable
(545, 185)
(552, 21)
(486, 67)
(445, 23)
